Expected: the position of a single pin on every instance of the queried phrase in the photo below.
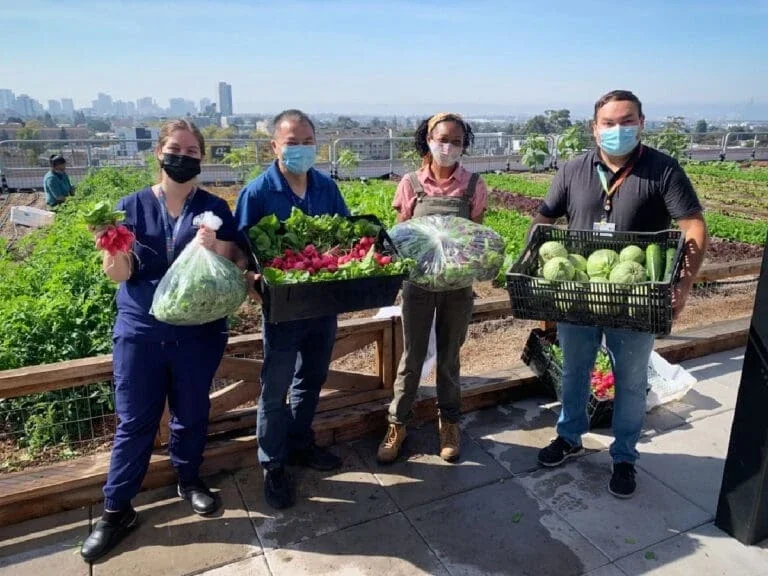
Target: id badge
(604, 226)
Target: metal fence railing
(23, 163)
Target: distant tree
(15, 120)
(377, 123)
(558, 120)
(31, 131)
(98, 125)
(536, 125)
(346, 123)
(701, 127)
(78, 118)
(48, 121)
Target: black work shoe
(316, 458)
(107, 534)
(622, 484)
(278, 488)
(201, 499)
(558, 451)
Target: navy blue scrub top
(270, 193)
(150, 263)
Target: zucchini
(670, 264)
(654, 262)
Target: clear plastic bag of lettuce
(450, 252)
(200, 286)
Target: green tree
(558, 120)
(348, 161)
(31, 131)
(534, 151)
(672, 138)
(99, 125)
(241, 160)
(701, 127)
(48, 121)
(572, 141)
(346, 123)
(536, 125)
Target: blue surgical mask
(299, 158)
(619, 140)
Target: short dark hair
(292, 114)
(422, 134)
(618, 96)
(56, 159)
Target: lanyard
(622, 175)
(172, 232)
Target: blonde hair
(181, 124)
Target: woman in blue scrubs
(154, 361)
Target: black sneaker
(278, 488)
(316, 458)
(558, 451)
(107, 533)
(201, 499)
(622, 484)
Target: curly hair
(422, 133)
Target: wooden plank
(351, 381)
(239, 368)
(336, 399)
(349, 344)
(45, 377)
(234, 395)
(714, 271)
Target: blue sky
(480, 56)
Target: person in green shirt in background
(56, 182)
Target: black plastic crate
(594, 304)
(286, 302)
(537, 357)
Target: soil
(8, 230)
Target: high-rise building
(103, 105)
(204, 103)
(54, 107)
(225, 99)
(24, 105)
(145, 106)
(7, 99)
(67, 106)
(181, 107)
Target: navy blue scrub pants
(145, 374)
(296, 359)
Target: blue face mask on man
(619, 140)
(298, 158)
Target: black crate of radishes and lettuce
(537, 355)
(287, 302)
(597, 303)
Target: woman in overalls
(155, 361)
(442, 186)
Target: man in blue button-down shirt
(297, 354)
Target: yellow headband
(441, 116)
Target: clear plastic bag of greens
(200, 286)
(450, 252)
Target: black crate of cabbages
(644, 307)
(287, 302)
(538, 357)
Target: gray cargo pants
(452, 311)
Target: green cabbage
(578, 261)
(632, 254)
(601, 262)
(580, 276)
(551, 249)
(629, 272)
(559, 268)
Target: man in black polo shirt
(625, 186)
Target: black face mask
(180, 168)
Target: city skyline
(479, 57)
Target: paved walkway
(495, 513)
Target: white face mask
(445, 154)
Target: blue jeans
(629, 353)
(296, 359)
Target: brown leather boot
(390, 446)
(449, 440)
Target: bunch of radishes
(310, 260)
(603, 384)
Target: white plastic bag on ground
(668, 382)
(430, 361)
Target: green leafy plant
(242, 161)
(348, 160)
(534, 151)
(672, 139)
(572, 141)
